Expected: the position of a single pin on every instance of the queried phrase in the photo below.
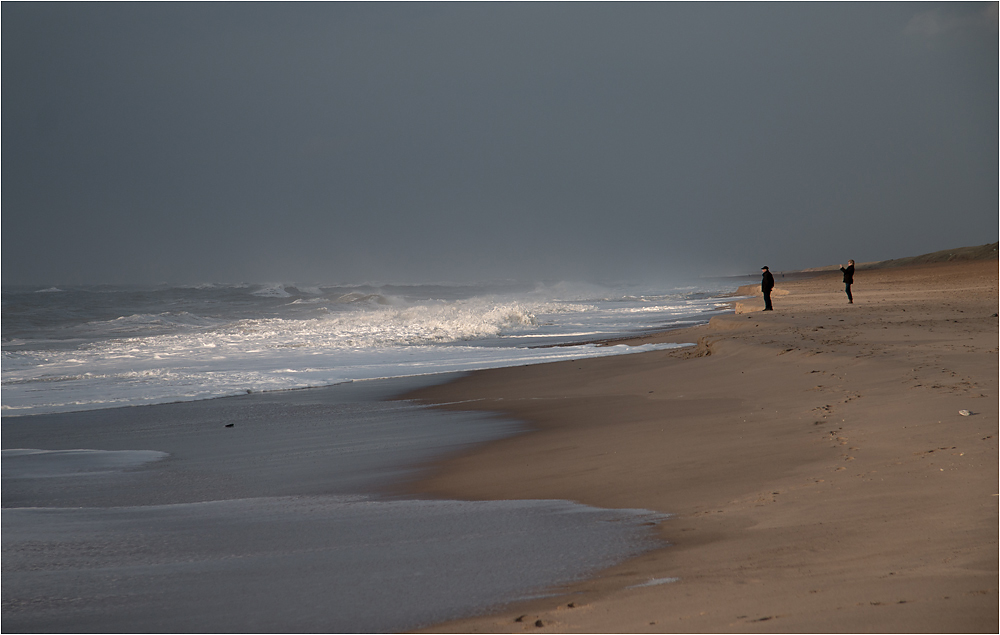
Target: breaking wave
(104, 347)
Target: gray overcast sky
(335, 142)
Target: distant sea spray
(77, 348)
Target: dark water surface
(273, 512)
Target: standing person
(848, 279)
(766, 284)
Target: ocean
(78, 348)
(159, 475)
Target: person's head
(764, 268)
(850, 262)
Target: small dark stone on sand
(539, 623)
(230, 425)
(572, 605)
(520, 619)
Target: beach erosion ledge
(829, 467)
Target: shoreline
(658, 430)
(813, 459)
(444, 375)
(273, 513)
(596, 342)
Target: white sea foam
(273, 291)
(134, 377)
(311, 290)
(367, 298)
(30, 463)
(237, 339)
(654, 582)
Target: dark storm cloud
(349, 142)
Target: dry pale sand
(819, 472)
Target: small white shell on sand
(964, 413)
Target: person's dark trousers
(767, 301)
(850, 298)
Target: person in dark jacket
(766, 284)
(848, 279)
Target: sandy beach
(324, 317)
(812, 466)
(816, 461)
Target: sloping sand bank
(821, 475)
